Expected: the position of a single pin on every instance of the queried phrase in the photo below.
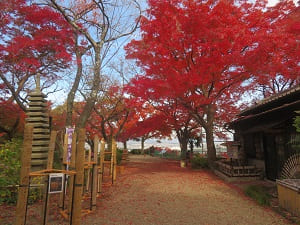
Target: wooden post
(73, 153)
(95, 168)
(87, 188)
(65, 151)
(101, 165)
(51, 149)
(64, 166)
(114, 152)
(79, 165)
(72, 167)
(111, 158)
(24, 175)
(45, 211)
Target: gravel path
(158, 191)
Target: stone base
(233, 179)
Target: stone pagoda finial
(38, 82)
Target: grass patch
(259, 194)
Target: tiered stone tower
(37, 115)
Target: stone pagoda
(37, 115)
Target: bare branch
(73, 23)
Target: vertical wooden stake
(24, 175)
(72, 167)
(101, 165)
(65, 150)
(73, 154)
(114, 150)
(79, 165)
(51, 149)
(111, 157)
(87, 188)
(49, 166)
(65, 153)
(95, 168)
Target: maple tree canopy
(275, 65)
(198, 52)
(33, 39)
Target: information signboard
(56, 182)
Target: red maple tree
(197, 52)
(144, 122)
(34, 39)
(165, 115)
(275, 64)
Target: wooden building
(266, 133)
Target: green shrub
(297, 122)
(198, 162)
(107, 157)
(35, 192)
(171, 155)
(258, 193)
(10, 164)
(119, 156)
(9, 170)
(136, 151)
(58, 155)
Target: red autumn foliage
(144, 122)
(58, 117)
(197, 53)
(275, 64)
(34, 39)
(109, 116)
(12, 120)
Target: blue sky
(60, 96)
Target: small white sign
(56, 182)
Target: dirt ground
(157, 191)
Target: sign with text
(56, 182)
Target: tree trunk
(183, 141)
(143, 145)
(90, 102)
(208, 126)
(71, 94)
(109, 143)
(125, 144)
(209, 129)
(211, 150)
(191, 142)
